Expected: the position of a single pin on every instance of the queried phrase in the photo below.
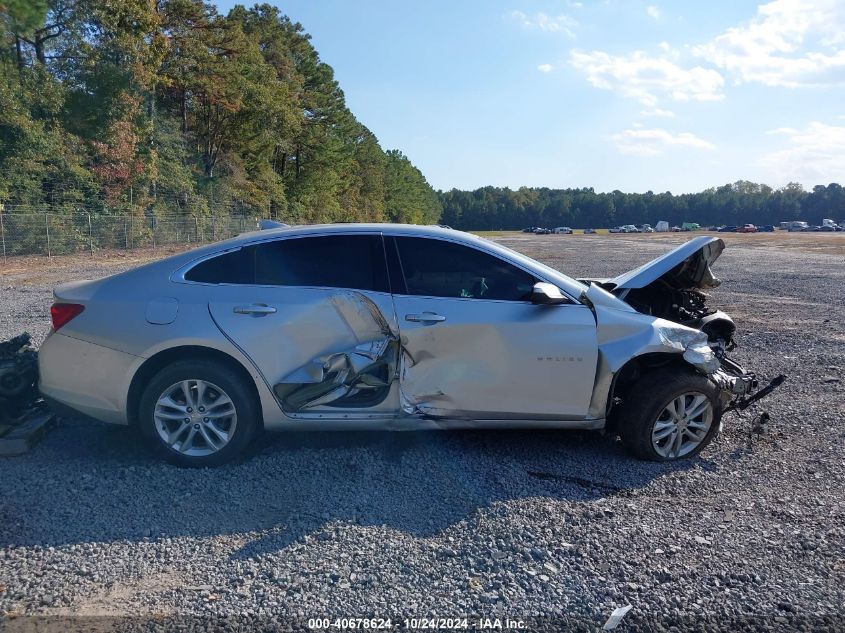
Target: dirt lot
(553, 527)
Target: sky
(613, 94)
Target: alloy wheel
(195, 417)
(682, 425)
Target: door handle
(425, 317)
(257, 309)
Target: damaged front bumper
(740, 388)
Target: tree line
(163, 107)
(166, 106)
(495, 208)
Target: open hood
(686, 267)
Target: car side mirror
(547, 294)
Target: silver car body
(440, 362)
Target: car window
(333, 261)
(230, 268)
(438, 268)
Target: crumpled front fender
(624, 334)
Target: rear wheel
(670, 415)
(198, 413)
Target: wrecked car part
(18, 376)
(695, 347)
(359, 376)
(625, 334)
(687, 266)
(743, 402)
(365, 371)
(670, 287)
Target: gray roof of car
(383, 227)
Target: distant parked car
(798, 225)
(617, 229)
(563, 230)
(827, 228)
(589, 231)
(766, 228)
(530, 229)
(728, 229)
(630, 228)
(812, 228)
(675, 229)
(747, 228)
(646, 228)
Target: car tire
(646, 423)
(220, 415)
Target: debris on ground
(18, 377)
(616, 617)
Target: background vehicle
(617, 229)
(646, 228)
(766, 228)
(564, 230)
(662, 226)
(589, 231)
(690, 226)
(630, 228)
(277, 329)
(747, 228)
(728, 229)
(797, 225)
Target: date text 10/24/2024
(416, 624)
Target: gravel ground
(559, 526)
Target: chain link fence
(53, 234)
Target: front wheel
(198, 413)
(670, 415)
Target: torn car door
(317, 322)
(475, 347)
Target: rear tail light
(63, 313)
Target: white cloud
(656, 141)
(788, 43)
(654, 11)
(659, 112)
(815, 155)
(642, 77)
(552, 24)
(545, 68)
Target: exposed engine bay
(675, 292)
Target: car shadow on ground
(94, 484)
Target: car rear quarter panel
(115, 324)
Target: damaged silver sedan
(392, 327)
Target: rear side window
(231, 268)
(334, 261)
(436, 268)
